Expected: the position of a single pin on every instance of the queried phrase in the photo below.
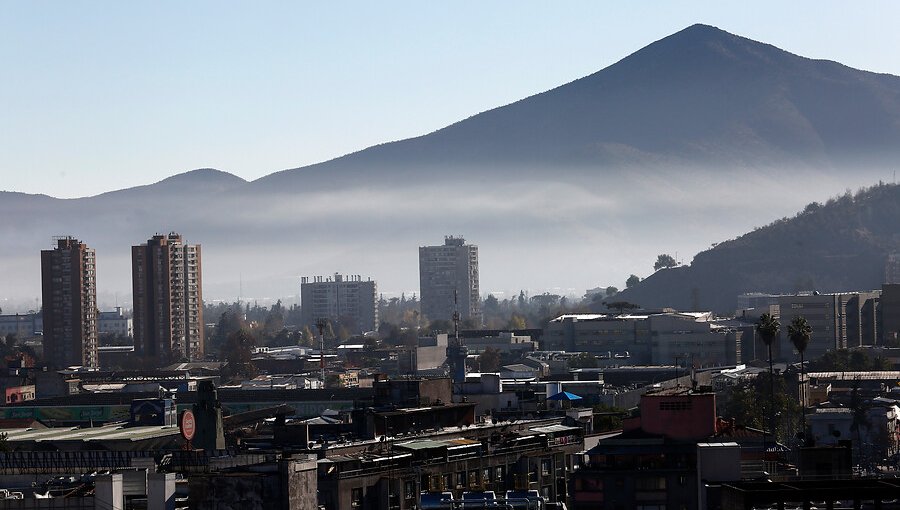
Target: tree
(742, 403)
(664, 261)
(489, 360)
(621, 306)
(238, 352)
(799, 331)
(583, 360)
(632, 281)
(611, 291)
(767, 327)
(516, 321)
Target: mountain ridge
(839, 246)
(693, 138)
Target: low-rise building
(648, 338)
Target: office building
(448, 280)
(659, 338)
(115, 323)
(838, 320)
(168, 299)
(69, 288)
(348, 301)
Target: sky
(99, 96)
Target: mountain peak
(203, 176)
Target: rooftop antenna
(456, 315)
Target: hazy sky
(104, 95)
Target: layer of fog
(566, 235)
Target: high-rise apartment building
(350, 300)
(69, 288)
(448, 273)
(168, 298)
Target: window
(356, 496)
(409, 490)
(546, 467)
(498, 474)
(684, 405)
(656, 483)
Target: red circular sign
(188, 425)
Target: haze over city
(427, 256)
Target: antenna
(456, 316)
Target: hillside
(695, 137)
(839, 246)
(700, 97)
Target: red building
(653, 463)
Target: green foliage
(621, 306)
(846, 360)
(799, 331)
(664, 261)
(632, 281)
(767, 327)
(743, 403)
(583, 360)
(608, 418)
(489, 360)
(238, 352)
(516, 321)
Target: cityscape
(592, 315)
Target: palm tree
(800, 332)
(767, 327)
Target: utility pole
(320, 324)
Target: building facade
(350, 300)
(116, 323)
(448, 280)
(168, 298)
(69, 288)
(838, 320)
(648, 338)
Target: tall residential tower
(69, 287)
(447, 270)
(168, 299)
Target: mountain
(695, 137)
(699, 97)
(839, 246)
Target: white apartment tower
(446, 273)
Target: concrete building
(665, 457)
(69, 289)
(168, 298)
(890, 314)
(22, 325)
(446, 273)
(892, 268)
(115, 323)
(346, 300)
(653, 337)
(838, 320)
